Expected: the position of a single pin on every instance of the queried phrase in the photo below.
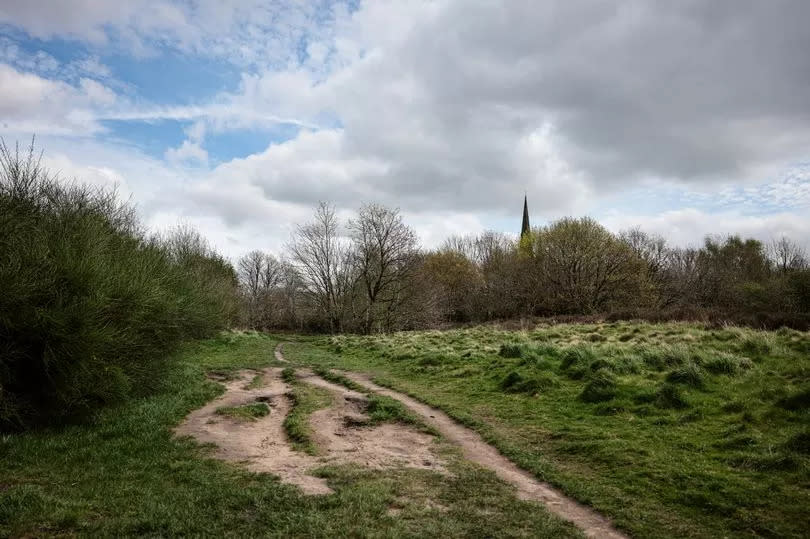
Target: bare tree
(385, 254)
(260, 275)
(323, 261)
(786, 255)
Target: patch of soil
(279, 353)
(262, 444)
(341, 432)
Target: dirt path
(279, 353)
(477, 450)
(260, 444)
(339, 432)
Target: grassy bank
(123, 474)
(672, 430)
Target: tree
(385, 251)
(259, 275)
(581, 267)
(324, 264)
(786, 255)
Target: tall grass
(90, 305)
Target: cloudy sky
(238, 116)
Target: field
(669, 430)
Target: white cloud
(449, 110)
(689, 226)
(187, 152)
(33, 104)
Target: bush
(90, 306)
(601, 387)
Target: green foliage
(305, 399)
(89, 306)
(515, 383)
(288, 375)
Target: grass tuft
(600, 387)
(245, 412)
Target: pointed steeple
(525, 228)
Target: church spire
(525, 228)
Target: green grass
(672, 430)
(246, 412)
(256, 382)
(305, 399)
(381, 409)
(123, 474)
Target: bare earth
(341, 438)
(262, 444)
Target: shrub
(90, 306)
(601, 387)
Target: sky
(238, 116)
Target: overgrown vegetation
(90, 305)
(670, 429)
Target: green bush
(90, 306)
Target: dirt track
(477, 450)
(338, 433)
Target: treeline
(90, 304)
(370, 274)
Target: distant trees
(370, 275)
(260, 275)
